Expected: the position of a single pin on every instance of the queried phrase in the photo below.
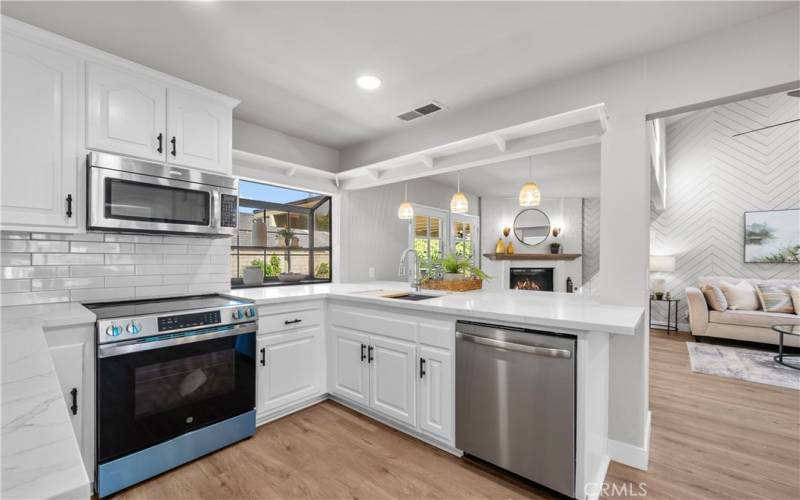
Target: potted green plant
(456, 268)
(555, 247)
(287, 235)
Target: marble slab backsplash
(39, 268)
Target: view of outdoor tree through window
(282, 231)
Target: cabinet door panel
(350, 372)
(68, 360)
(436, 393)
(40, 102)
(292, 368)
(126, 114)
(201, 131)
(392, 379)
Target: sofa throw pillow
(795, 293)
(741, 297)
(714, 297)
(775, 298)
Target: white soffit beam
(283, 173)
(499, 142)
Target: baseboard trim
(632, 456)
(262, 419)
(593, 493)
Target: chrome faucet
(414, 275)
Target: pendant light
(529, 195)
(459, 203)
(406, 210)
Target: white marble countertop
(40, 454)
(541, 309)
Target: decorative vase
(555, 249)
(252, 275)
(260, 234)
(500, 247)
(453, 276)
(659, 295)
(510, 248)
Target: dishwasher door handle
(528, 349)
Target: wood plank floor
(711, 438)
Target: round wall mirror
(531, 226)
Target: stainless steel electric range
(175, 381)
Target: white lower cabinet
(392, 385)
(290, 368)
(350, 365)
(436, 392)
(72, 351)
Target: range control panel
(182, 321)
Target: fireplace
(531, 278)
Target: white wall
(273, 144)
(756, 55)
(373, 236)
(590, 260)
(714, 178)
(497, 213)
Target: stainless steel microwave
(133, 195)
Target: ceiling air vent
(421, 111)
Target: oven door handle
(131, 346)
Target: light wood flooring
(711, 438)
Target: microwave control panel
(229, 205)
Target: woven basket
(464, 285)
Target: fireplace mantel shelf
(532, 256)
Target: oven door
(130, 201)
(153, 390)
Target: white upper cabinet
(199, 132)
(126, 114)
(41, 96)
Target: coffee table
(785, 330)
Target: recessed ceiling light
(368, 82)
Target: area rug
(745, 364)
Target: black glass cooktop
(125, 309)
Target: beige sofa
(753, 326)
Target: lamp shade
(405, 211)
(662, 263)
(459, 203)
(529, 195)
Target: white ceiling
(293, 65)
(570, 173)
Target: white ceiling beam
(375, 173)
(500, 142)
(289, 172)
(426, 160)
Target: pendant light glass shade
(406, 210)
(529, 195)
(459, 203)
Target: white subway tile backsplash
(134, 238)
(33, 246)
(134, 259)
(104, 270)
(93, 267)
(15, 286)
(68, 237)
(162, 248)
(66, 283)
(15, 259)
(160, 291)
(52, 259)
(26, 298)
(35, 272)
(164, 269)
(14, 235)
(118, 281)
(95, 247)
(102, 294)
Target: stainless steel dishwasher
(515, 401)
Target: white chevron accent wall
(713, 178)
(590, 259)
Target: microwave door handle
(215, 209)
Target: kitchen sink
(410, 296)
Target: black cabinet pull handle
(160, 147)
(69, 206)
(263, 356)
(74, 407)
(174, 149)
(369, 357)
(287, 322)
(422, 371)
(363, 352)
